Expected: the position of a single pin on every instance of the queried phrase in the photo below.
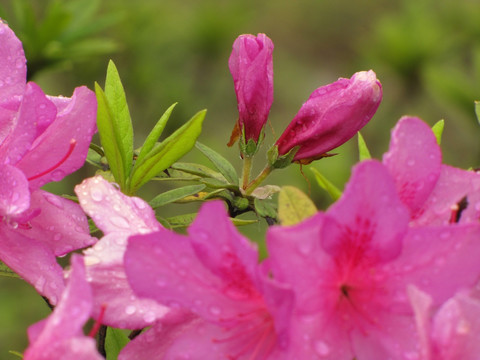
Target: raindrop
(120, 222)
(161, 282)
(321, 348)
(130, 310)
(57, 175)
(55, 201)
(96, 195)
(149, 317)
(215, 310)
(411, 162)
(57, 237)
(19, 63)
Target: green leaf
(477, 110)
(6, 271)
(197, 169)
(326, 185)
(107, 129)
(218, 184)
(164, 154)
(117, 101)
(16, 353)
(155, 134)
(265, 208)
(438, 130)
(115, 341)
(174, 195)
(363, 152)
(222, 164)
(294, 206)
(179, 221)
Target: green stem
(258, 180)
(247, 167)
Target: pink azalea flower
(452, 331)
(251, 65)
(331, 116)
(42, 139)
(350, 268)
(238, 311)
(119, 217)
(434, 193)
(60, 336)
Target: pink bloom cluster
(42, 139)
(390, 271)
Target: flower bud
(251, 66)
(331, 116)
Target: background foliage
(425, 52)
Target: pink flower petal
(33, 261)
(61, 225)
(438, 260)
(414, 160)
(221, 248)
(14, 192)
(452, 186)
(13, 70)
(62, 148)
(36, 112)
(60, 336)
(163, 266)
(113, 211)
(111, 290)
(368, 223)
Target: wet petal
(14, 192)
(13, 70)
(414, 160)
(33, 261)
(61, 225)
(62, 148)
(106, 275)
(113, 211)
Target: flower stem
(258, 180)
(247, 167)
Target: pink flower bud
(251, 66)
(331, 116)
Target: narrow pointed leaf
(477, 110)
(115, 341)
(175, 194)
(6, 271)
(222, 164)
(197, 169)
(326, 185)
(294, 206)
(164, 154)
(155, 134)
(106, 129)
(438, 130)
(363, 152)
(117, 101)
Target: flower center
(251, 336)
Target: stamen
(73, 143)
(457, 210)
(98, 322)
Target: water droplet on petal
(130, 310)
(57, 237)
(120, 222)
(149, 317)
(97, 195)
(215, 310)
(321, 348)
(411, 162)
(58, 175)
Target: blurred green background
(425, 52)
